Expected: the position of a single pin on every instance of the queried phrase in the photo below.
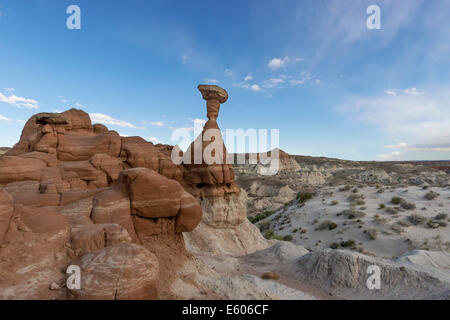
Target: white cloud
(105, 119)
(154, 140)
(228, 72)
(255, 87)
(393, 156)
(411, 91)
(184, 59)
(277, 63)
(422, 120)
(3, 118)
(248, 78)
(19, 102)
(155, 123)
(211, 80)
(79, 105)
(273, 82)
(62, 99)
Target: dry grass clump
(416, 219)
(327, 224)
(345, 188)
(352, 214)
(431, 195)
(371, 233)
(334, 203)
(441, 216)
(354, 197)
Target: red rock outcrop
(110, 202)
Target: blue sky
(309, 68)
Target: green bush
(397, 200)
(304, 196)
(261, 216)
(348, 243)
(287, 237)
(334, 245)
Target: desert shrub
(348, 243)
(355, 190)
(441, 216)
(434, 224)
(360, 202)
(294, 231)
(408, 205)
(334, 203)
(397, 200)
(327, 224)
(431, 195)
(334, 245)
(354, 197)
(404, 223)
(269, 234)
(371, 233)
(416, 219)
(270, 276)
(345, 188)
(288, 237)
(382, 206)
(304, 196)
(397, 228)
(263, 226)
(304, 231)
(261, 216)
(391, 210)
(353, 214)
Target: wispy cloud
(421, 121)
(211, 81)
(411, 91)
(255, 87)
(105, 119)
(248, 78)
(154, 140)
(79, 105)
(154, 123)
(228, 72)
(184, 59)
(19, 102)
(9, 90)
(3, 118)
(62, 99)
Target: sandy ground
(385, 232)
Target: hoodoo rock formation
(224, 227)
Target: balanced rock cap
(210, 92)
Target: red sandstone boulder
(121, 272)
(77, 146)
(113, 206)
(152, 195)
(14, 168)
(190, 214)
